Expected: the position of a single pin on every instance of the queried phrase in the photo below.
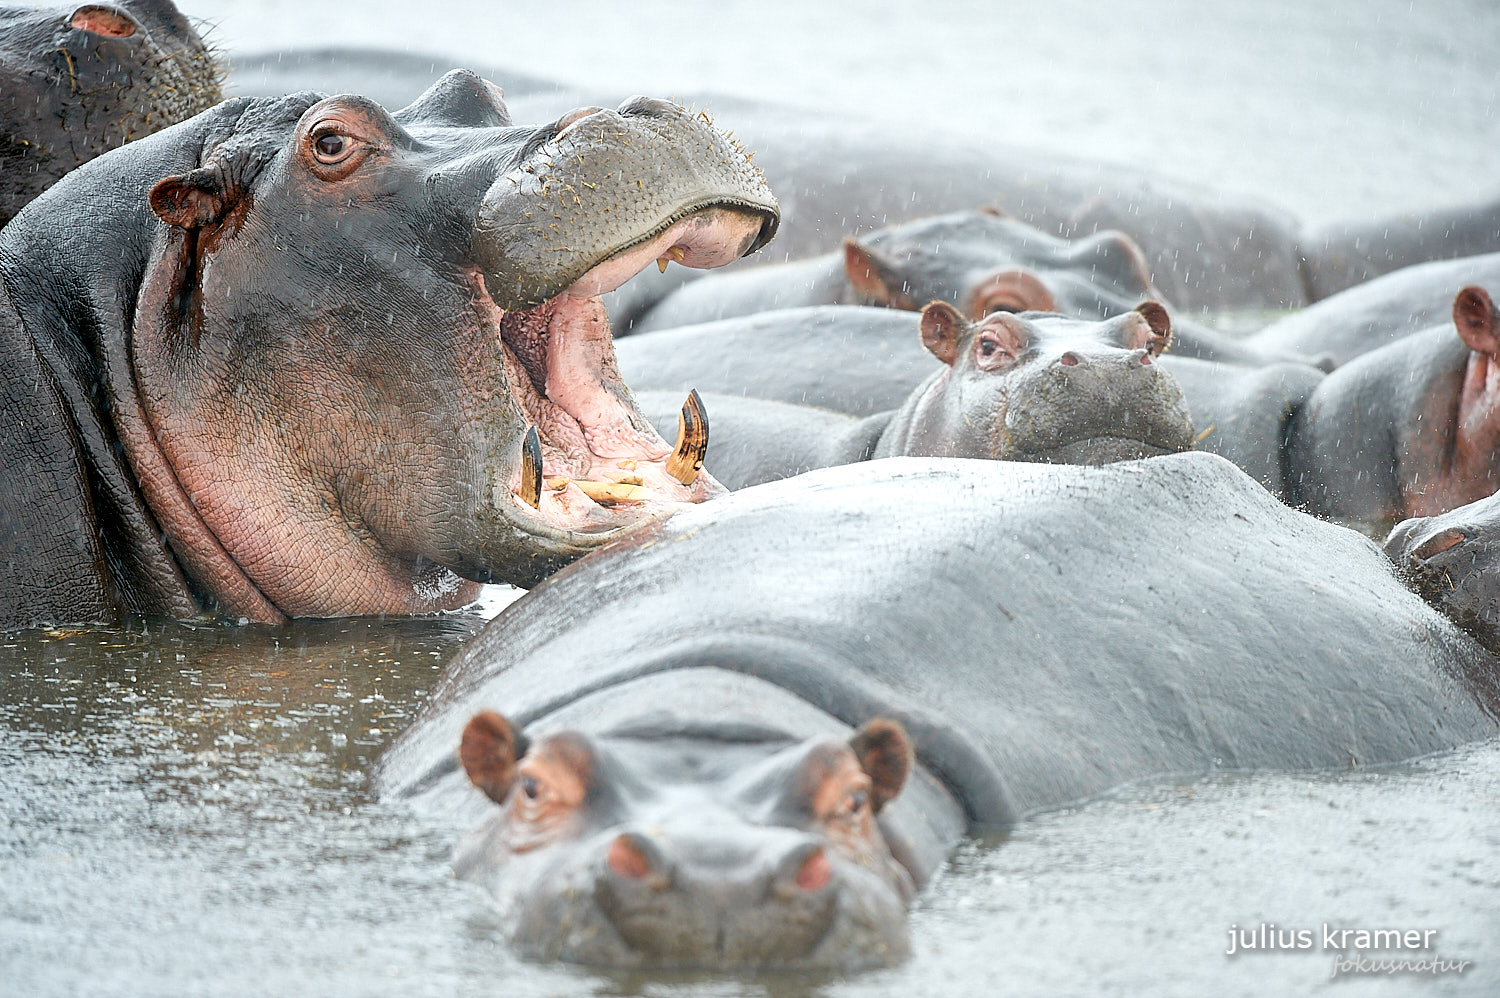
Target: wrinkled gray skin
(78, 80)
(347, 439)
(1028, 387)
(1453, 561)
(1372, 315)
(1371, 441)
(978, 260)
(1042, 632)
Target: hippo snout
(717, 898)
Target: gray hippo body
(1042, 632)
(315, 448)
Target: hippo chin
(695, 760)
(79, 80)
(302, 356)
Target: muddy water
(185, 813)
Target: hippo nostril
(1069, 359)
(815, 872)
(575, 116)
(106, 21)
(629, 856)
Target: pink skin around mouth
(560, 362)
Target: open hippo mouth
(589, 461)
(552, 235)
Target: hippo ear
(884, 752)
(1160, 323)
(489, 750)
(942, 326)
(190, 200)
(874, 277)
(1477, 321)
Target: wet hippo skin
(305, 357)
(78, 80)
(1041, 633)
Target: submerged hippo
(1026, 387)
(682, 762)
(79, 80)
(979, 260)
(1405, 431)
(302, 356)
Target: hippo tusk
(676, 253)
(611, 491)
(531, 468)
(692, 441)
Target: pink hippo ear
(874, 277)
(190, 200)
(489, 751)
(1477, 320)
(942, 325)
(1158, 333)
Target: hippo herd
(960, 520)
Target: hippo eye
(1001, 308)
(858, 801)
(530, 787)
(332, 147)
(990, 347)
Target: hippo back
(1045, 632)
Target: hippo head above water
(690, 848)
(987, 263)
(326, 373)
(78, 80)
(1037, 386)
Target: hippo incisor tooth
(692, 441)
(629, 464)
(623, 477)
(602, 492)
(531, 468)
(556, 484)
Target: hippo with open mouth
(79, 80)
(741, 737)
(303, 356)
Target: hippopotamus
(980, 260)
(1372, 315)
(1409, 430)
(305, 357)
(1372, 441)
(665, 760)
(78, 80)
(1451, 560)
(1032, 386)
